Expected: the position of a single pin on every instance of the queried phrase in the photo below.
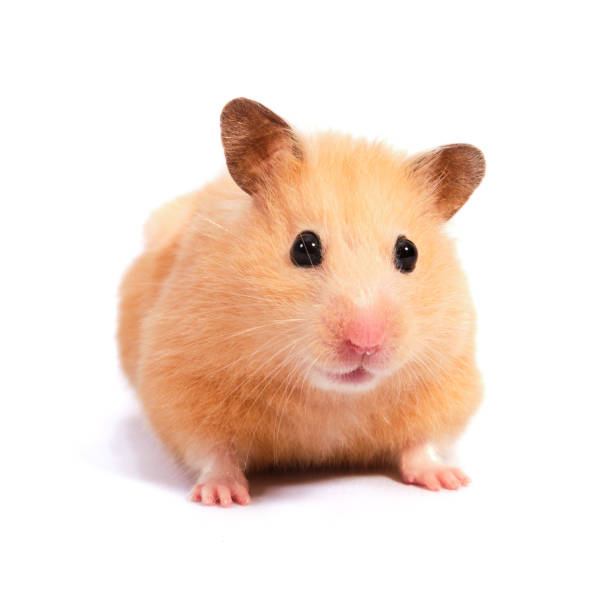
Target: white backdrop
(109, 109)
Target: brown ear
(255, 141)
(453, 172)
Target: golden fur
(219, 331)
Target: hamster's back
(144, 278)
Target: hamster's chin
(356, 380)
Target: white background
(108, 109)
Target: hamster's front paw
(222, 491)
(221, 481)
(422, 466)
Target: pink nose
(365, 334)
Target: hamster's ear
(256, 141)
(452, 172)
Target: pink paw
(222, 491)
(436, 478)
(422, 466)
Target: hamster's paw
(422, 466)
(221, 491)
(221, 482)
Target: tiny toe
(461, 476)
(208, 495)
(225, 496)
(448, 480)
(240, 496)
(431, 482)
(196, 494)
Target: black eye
(306, 250)
(406, 254)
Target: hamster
(306, 308)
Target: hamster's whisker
(286, 395)
(263, 348)
(263, 326)
(282, 405)
(202, 424)
(424, 366)
(249, 375)
(266, 383)
(300, 361)
(201, 217)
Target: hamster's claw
(220, 492)
(423, 467)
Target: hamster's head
(348, 257)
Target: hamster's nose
(365, 334)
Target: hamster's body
(245, 359)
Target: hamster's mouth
(357, 379)
(356, 376)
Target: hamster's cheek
(403, 337)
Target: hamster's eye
(306, 250)
(406, 254)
